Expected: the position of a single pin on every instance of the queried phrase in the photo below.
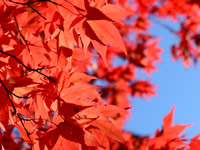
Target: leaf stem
(28, 68)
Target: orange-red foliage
(53, 51)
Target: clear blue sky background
(177, 85)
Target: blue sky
(177, 85)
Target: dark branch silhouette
(15, 110)
(28, 68)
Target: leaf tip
(127, 108)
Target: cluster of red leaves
(165, 139)
(45, 47)
(183, 12)
(49, 65)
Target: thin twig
(27, 4)
(32, 119)
(21, 120)
(37, 12)
(74, 7)
(15, 111)
(8, 93)
(28, 68)
(32, 2)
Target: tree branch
(28, 4)
(15, 110)
(28, 68)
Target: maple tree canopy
(52, 54)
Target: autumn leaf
(4, 111)
(110, 110)
(79, 92)
(107, 33)
(51, 72)
(65, 136)
(81, 77)
(169, 134)
(194, 143)
(109, 129)
(115, 13)
(168, 119)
